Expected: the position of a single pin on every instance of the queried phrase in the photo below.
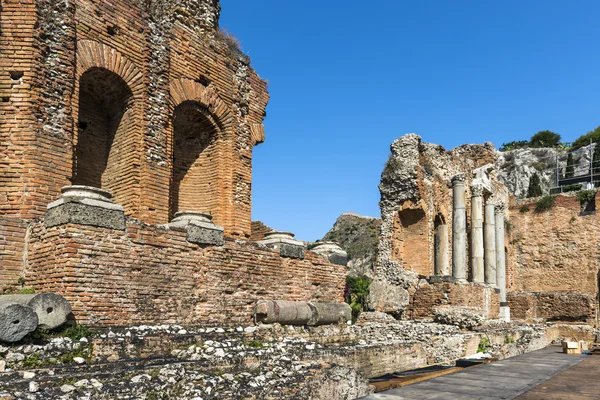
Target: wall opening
(195, 168)
(106, 145)
(411, 241)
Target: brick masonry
(149, 274)
(552, 268)
(107, 94)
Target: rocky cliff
(359, 236)
(515, 167)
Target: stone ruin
(435, 247)
(125, 185)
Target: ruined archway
(105, 148)
(195, 178)
(410, 241)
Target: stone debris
(463, 317)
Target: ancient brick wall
(153, 275)
(551, 252)
(428, 297)
(259, 230)
(13, 233)
(89, 93)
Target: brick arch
(185, 89)
(92, 54)
(116, 169)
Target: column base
(504, 314)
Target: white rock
(82, 383)
(34, 386)
(79, 360)
(310, 347)
(239, 329)
(67, 388)
(83, 340)
(2, 365)
(141, 378)
(209, 350)
(220, 353)
(96, 384)
(111, 334)
(181, 332)
(28, 375)
(250, 329)
(220, 330)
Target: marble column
(442, 267)
(489, 240)
(501, 263)
(459, 229)
(477, 233)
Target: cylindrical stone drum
(16, 321)
(282, 312)
(330, 313)
(52, 309)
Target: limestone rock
(52, 309)
(387, 297)
(463, 317)
(338, 383)
(359, 237)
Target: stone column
(442, 266)
(489, 240)
(459, 229)
(477, 233)
(501, 262)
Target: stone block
(16, 321)
(52, 309)
(334, 253)
(388, 298)
(282, 312)
(329, 313)
(85, 205)
(200, 228)
(285, 243)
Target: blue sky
(348, 77)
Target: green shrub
(545, 139)
(520, 144)
(584, 140)
(76, 332)
(524, 209)
(585, 196)
(545, 203)
(356, 293)
(535, 187)
(484, 345)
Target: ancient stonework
(427, 206)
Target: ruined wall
(151, 275)
(88, 95)
(259, 230)
(60, 61)
(554, 260)
(416, 198)
(415, 190)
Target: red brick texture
(553, 261)
(430, 296)
(89, 93)
(150, 275)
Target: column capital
(499, 207)
(458, 179)
(477, 190)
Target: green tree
(596, 159)
(545, 139)
(570, 170)
(535, 187)
(520, 144)
(584, 140)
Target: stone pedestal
(477, 233)
(85, 205)
(504, 314)
(459, 229)
(489, 240)
(285, 243)
(334, 253)
(200, 228)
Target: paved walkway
(506, 379)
